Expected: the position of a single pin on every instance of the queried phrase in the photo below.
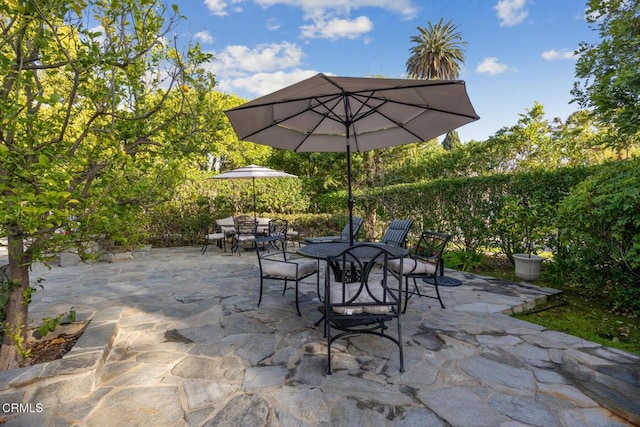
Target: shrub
(599, 228)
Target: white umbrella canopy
(345, 114)
(253, 172)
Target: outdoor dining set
(366, 284)
(346, 114)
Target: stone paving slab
(178, 340)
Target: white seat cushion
(263, 225)
(350, 290)
(226, 225)
(215, 236)
(288, 269)
(412, 266)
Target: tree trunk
(17, 309)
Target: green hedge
(470, 208)
(599, 226)
(588, 217)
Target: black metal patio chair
(424, 262)
(208, 238)
(244, 234)
(277, 264)
(344, 235)
(364, 306)
(396, 233)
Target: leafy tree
(437, 52)
(599, 225)
(451, 141)
(609, 71)
(229, 153)
(95, 124)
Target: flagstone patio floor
(176, 339)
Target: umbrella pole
(350, 201)
(255, 219)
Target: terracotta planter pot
(528, 267)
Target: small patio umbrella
(345, 114)
(253, 172)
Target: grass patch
(577, 311)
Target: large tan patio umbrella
(253, 172)
(353, 114)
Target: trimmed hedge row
(471, 209)
(588, 217)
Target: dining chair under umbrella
(253, 172)
(346, 114)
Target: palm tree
(437, 52)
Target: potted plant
(523, 231)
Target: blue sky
(518, 51)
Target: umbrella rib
(311, 108)
(412, 104)
(327, 115)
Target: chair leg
(297, 307)
(415, 286)
(260, 298)
(435, 284)
(328, 334)
(318, 282)
(407, 295)
(400, 345)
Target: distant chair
(245, 233)
(277, 264)
(262, 226)
(208, 238)
(279, 227)
(366, 305)
(424, 262)
(343, 237)
(228, 227)
(396, 234)
(293, 235)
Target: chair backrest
(376, 291)
(278, 227)
(245, 225)
(272, 250)
(263, 225)
(226, 225)
(396, 234)
(357, 223)
(430, 248)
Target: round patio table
(327, 249)
(331, 249)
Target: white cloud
(265, 57)
(273, 24)
(263, 83)
(216, 7)
(511, 12)
(491, 65)
(552, 55)
(204, 37)
(219, 7)
(330, 19)
(405, 8)
(336, 28)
